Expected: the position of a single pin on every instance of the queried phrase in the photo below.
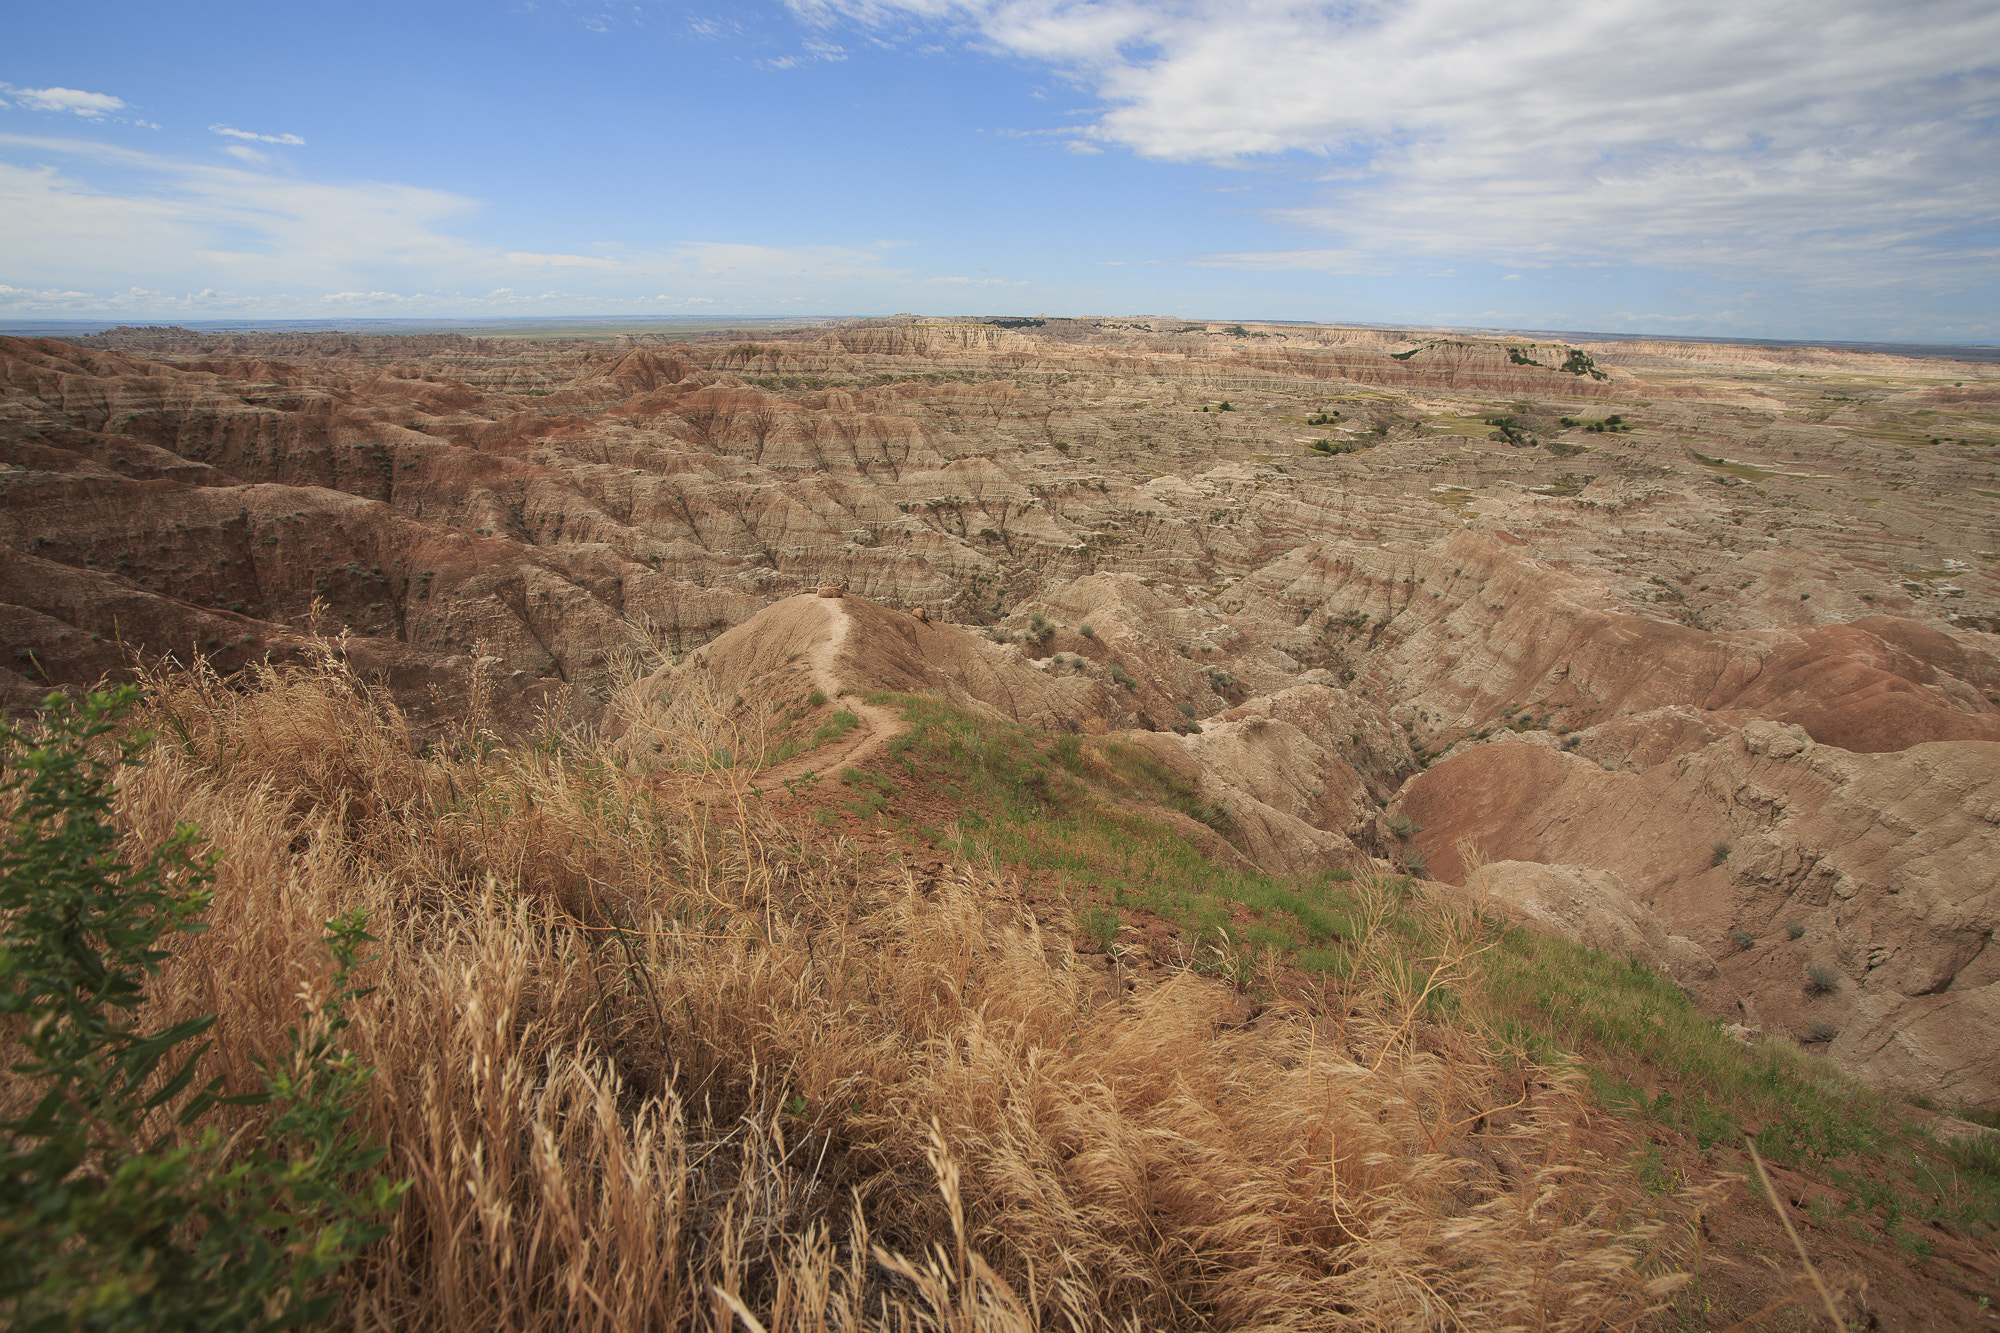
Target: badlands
(1685, 650)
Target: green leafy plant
(1822, 979)
(123, 1204)
(1579, 363)
(1509, 429)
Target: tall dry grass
(649, 1067)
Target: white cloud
(1835, 142)
(530, 260)
(91, 106)
(1345, 262)
(174, 236)
(232, 133)
(814, 52)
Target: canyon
(1690, 650)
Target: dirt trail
(878, 725)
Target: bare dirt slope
(1849, 896)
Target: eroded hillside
(1427, 601)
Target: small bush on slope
(123, 1204)
(648, 1063)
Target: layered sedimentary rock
(1851, 896)
(1302, 564)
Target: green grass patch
(1634, 1030)
(1143, 774)
(832, 729)
(1038, 804)
(1746, 471)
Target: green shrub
(1719, 852)
(1795, 929)
(1086, 631)
(123, 1205)
(1744, 939)
(1822, 979)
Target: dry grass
(653, 1068)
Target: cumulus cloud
(91, 106)
(232, 133)
(1833, 141)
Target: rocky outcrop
(1295, 804)
(1476, 627)
(1850, 895)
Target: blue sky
(1780, 169)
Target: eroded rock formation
(1598, 609)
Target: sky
(1759, 168)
